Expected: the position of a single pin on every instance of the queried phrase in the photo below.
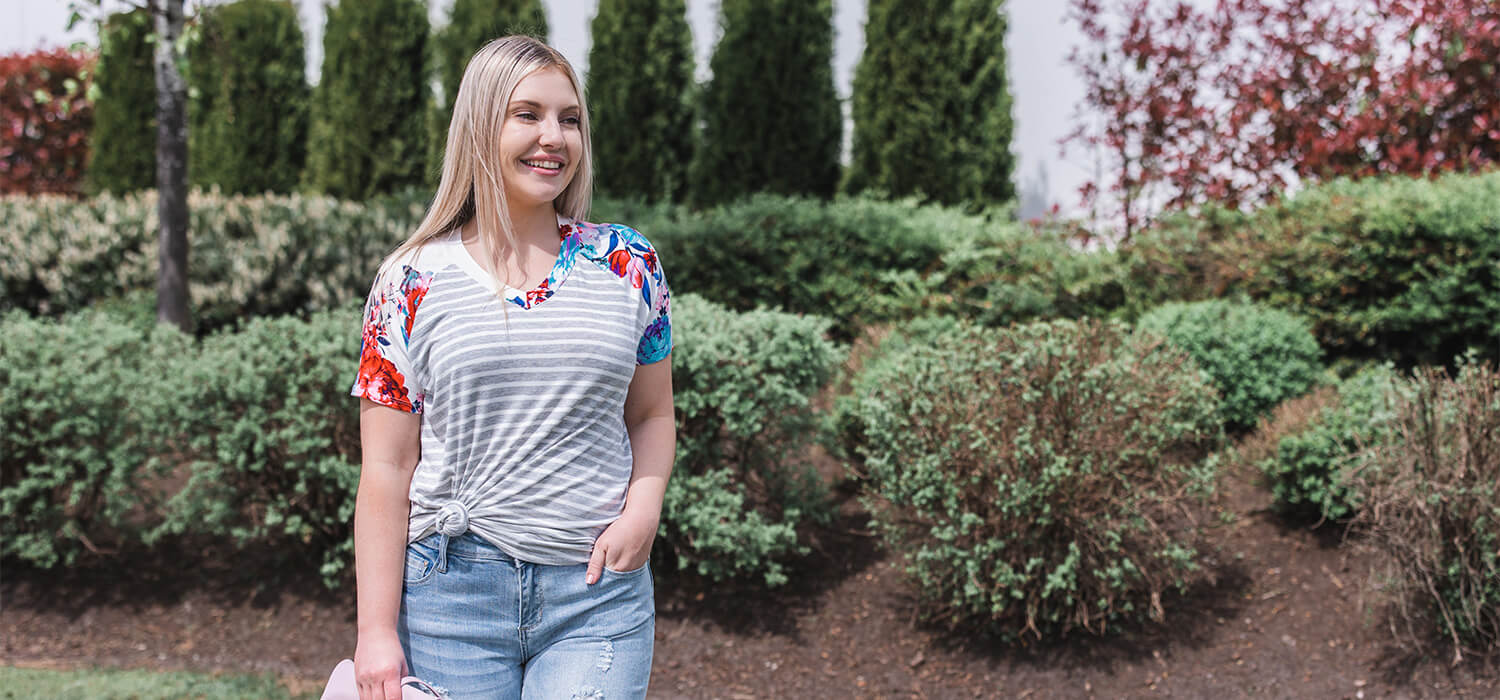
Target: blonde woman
(516, 415)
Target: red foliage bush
(1234, 102)
(45, 117)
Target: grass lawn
(17, 683)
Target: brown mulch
(1286, 619)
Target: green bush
(270, 436)
(1433, 508)
(248, 126)
(1257, 357)
(1308, 472)
(1038, 479)
(122, 143)
(856, 260)
(251, 255)
(743, 386)
(802, 255)
(86, 407)
(1396, 268)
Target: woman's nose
(551, 133)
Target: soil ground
(1285, 619)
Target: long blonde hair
(471, 186)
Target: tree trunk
(171, 169)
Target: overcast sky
(1044, 87)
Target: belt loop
(442, 557)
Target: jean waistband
(467, 546)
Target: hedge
(1396, 268)
(855, 260)
(257, 426)
(86, 413)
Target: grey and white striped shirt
(522, 394)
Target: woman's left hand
(623, 546)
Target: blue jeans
(482, 625)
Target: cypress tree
(471, 25)
(931, 105)
(640, 85)
(123, 139)
(249, 119)
(368, 133)
(771, 119)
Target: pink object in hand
(341, 685)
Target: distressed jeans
(479, 624)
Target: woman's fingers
(596, 562)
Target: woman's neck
(535, 226)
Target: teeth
(543, 164)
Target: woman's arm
(390, 443)
(652, 425)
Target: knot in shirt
(453, 519)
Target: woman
(516, 415)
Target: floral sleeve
(656, 342)
(386, 375)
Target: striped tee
(521, 393)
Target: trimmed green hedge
(1257, 357)
(744, 384)
(86, 410)
(250, 255)
(257, 426)
(1400, 269)
(1036, 479)
(854, 260)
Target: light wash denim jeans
(481, 625)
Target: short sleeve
(386, 375)
(656, 341)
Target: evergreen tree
(368, 134)
(931, 103)
(123, 139)
(471, 25)
(248, 124)
(640, 86)
(771, 119)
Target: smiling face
(541, 140)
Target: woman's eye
(526, 115)
(571, 120)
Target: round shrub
(1041, 478)
(1256, 356)
(86, 401)
(270, 435)
(743, 386)
(1308, 472)
(1433, 508)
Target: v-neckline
(544, 290)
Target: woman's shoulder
(607, 235)
(424, 259)
(623, 251)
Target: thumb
(596, 564)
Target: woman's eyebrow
(537, 105)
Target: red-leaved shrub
(45, 116)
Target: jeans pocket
(421, 564)
(637, 571)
